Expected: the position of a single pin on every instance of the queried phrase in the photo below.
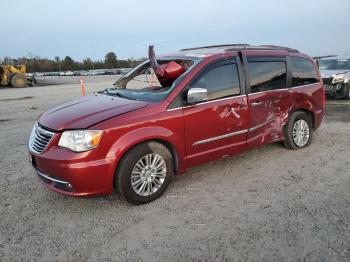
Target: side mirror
(196, 95)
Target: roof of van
(237, 47)
(204, 51)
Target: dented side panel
(268, 114)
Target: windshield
(334, 64)
(143, 84)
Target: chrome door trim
(215, 138)
(261, 125)
(281, 89)
(208, 140)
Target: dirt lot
(269, 204)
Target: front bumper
(75, 178)
(55, 182)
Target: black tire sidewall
(126, 165)
(298, 115)
(346, 92)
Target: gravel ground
(269, 204)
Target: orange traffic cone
(82, 87)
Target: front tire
(144, 173)
(298, 132)
(18, 80)
(346, 92)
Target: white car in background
(335, 73)
(69, 73)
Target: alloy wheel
(301, 132)
(148, 174)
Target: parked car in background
(124, 71)
(54, 73)
(84, 73)
(29, 75)
(98, 71)
(195, 106)
(335, 73)
(38, 74)
(109, 72)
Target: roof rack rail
(278, 47)
(323, 56)
(213, 46)
(264, 47)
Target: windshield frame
(120, 84)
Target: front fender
(139, 135)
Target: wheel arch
(172, 150)
(157, 134)
(308, 112)
(163, 142)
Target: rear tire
(18, 81)
(144, 173)
(298, 132)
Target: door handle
(256, 103)
(235, 113)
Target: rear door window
(220, 81)
(303, 72)
(265, 76)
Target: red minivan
(174, 112)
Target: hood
(332, 73)
(87, 111)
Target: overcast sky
(82, 28)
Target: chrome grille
(39, 139)
(327, 81)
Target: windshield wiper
(122, 96)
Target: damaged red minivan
(174, 112)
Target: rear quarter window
(303, 72)
(266, 76)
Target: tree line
(38, 64)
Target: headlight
(346, 79)
(338, 78)
(80, 140)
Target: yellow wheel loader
(15, 76)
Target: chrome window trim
(280, 89)
(208, 140)
(207, 102)
(220, 99)
(305, 85)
